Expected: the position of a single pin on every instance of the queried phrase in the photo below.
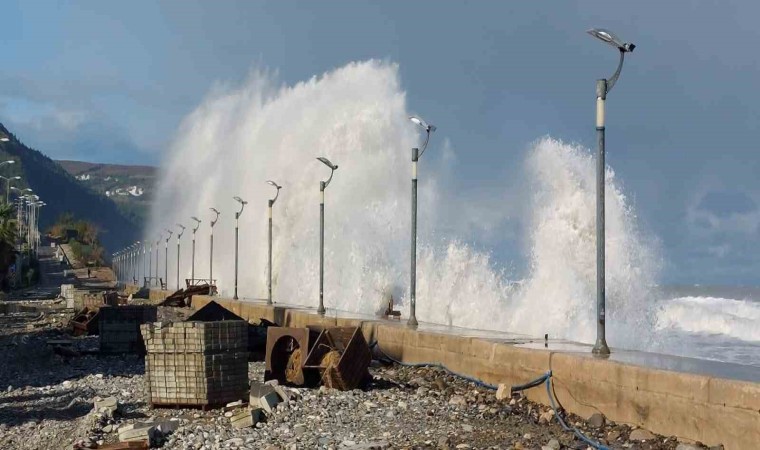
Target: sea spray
(559, 295)
(357, 116)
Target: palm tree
(7, 239)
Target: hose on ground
(545, 379)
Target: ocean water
(720, 323)
(357, 116)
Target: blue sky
(110, 81)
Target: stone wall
(196, 363)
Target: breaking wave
(356, 115)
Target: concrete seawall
(688, 400)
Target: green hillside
(63, 193)
(131, 187)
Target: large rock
(641, 434)
(596, 420)
(107, 406)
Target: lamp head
(196, 219)
(15, 178)
(240, 200)
(272, 183)
(4, 137)
(215, 210)
(419, 121)
(327, 162)
(611, 39)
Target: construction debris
(338, 357)
(257, 334)
(263, 396)
(199, 364)
(120, 327)
(138, 432)
(133, 445)
(85, 322)
(286, 349)
(246, 419)
(107, 406)
(183, 297)
(341, 357)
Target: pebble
(596, 420)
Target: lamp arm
(424, 146)
(332, 171)
(275, 196)
(613, 79)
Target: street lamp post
(115, 266)
(271, 204)
(8, 186)
(158, 244)
(416, 154)
(144, 261)
(179, 239)
(603, 87)
(150, 262)
(322, 187)
(237, 216)
(135, 261)
(192, 264)
(211, 248)
(166, 257)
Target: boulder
(641, 434)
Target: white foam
(738, 319)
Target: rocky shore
(48, 395)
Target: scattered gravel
(47, 396)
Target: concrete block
(137, 432)
(247, 418)
(108, 405)
(282, 393)
(263, 396)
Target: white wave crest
(738, 319)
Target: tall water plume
(356, 115)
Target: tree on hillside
(82, 237)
